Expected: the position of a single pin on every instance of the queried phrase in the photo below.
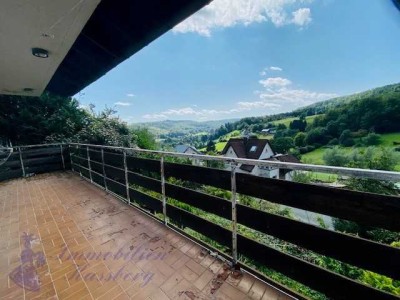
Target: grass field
(316, 156)
(287, 121)
(220, 146)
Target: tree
(104, 128)
(210, 146)
(282, 144)
(144, 138)
(317, 135)
(299, 125)
(34, 120)
(346, 139)
(281, 126)
(371, 139)
(300, 139)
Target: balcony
(122, 223)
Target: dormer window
(253, 149)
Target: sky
(238, 58)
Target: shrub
(346, 139)
(333, 142)
(300, 139)
(371, 139)
(335, 157)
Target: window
(253, 148)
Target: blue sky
(238, 58)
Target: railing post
(70, 158)
(234, 214)
(80, 171)
(126, 179)
(104, 169)
(62, 156)
(89, 164)
(22, 162)
(164, 198)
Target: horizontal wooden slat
(213, 231)
(10, 174)
(80, 151)
(42, 160)
(97, 178)
(327, 282)
(145, 182)
(112, 159)
(115, 174)
(41, 152)
(80, 160)
(116, 188)
(11, 157)
(96, 166)
(11, 164)
(145, 201)
(43, 168)
(138, 165)
(366, 208)
(356, 251)
(79, 169)
(208, 176)
(95, 155)
(211, 204)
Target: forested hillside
(364, 102)
(322, 107)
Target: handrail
(356, 172)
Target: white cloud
(130, 95)
(275, 69)
(302, 17)
(189, 111)
(277, 95)
(228, 13)
(119, 103)
(257, 104)
(265, 70)
(275, 82)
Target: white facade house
(254, 148)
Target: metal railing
(355, 172)
(23, 161)
(124, 172)
(366, 205)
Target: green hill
(322, 107)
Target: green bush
(371, 139)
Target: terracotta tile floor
(63, 238)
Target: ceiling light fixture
(39, 52)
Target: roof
(243, 148)
(114, 32)
(285, 158)
(184, 148)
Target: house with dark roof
(189, 150)
(254, 148)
